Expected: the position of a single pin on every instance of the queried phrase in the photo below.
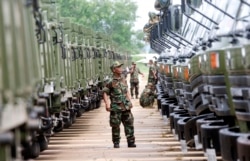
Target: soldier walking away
(119, 107)
(147, 96)
(134, 80)
(152, 77)
(156, 71)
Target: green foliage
(113, 17)
(143, 67)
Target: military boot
(116, 145)
(131, 144)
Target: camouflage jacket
(117, 89)
(134, 74)
(147, 97)
(152, 69)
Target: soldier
(152, 72)
(134, 80)
(120, 106)
(156, 71)
(147, 96)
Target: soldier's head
(150, 85)
(133, 64)
(116, 67)
(150, 61)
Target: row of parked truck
(204, 73)
(52, 71)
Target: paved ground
(89, 139)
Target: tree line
(116, 18)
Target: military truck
(210, 39)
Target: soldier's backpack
(146, 98)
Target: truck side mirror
(162, 4)
(175, 18)
(194, 3)
(186, 3)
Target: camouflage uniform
(151, 78)
(157, 69)
(147, 97)
(134, 81)
(120, 109)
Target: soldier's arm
(106, 101)
(106, 92)
(128, 96)
(129, 99)
(140, 72)
(131, 70)
(154, 72)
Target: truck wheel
(73, 117)
(79, 113)
(68, 123)
(43, 142)
(34, 150)
(59, 127)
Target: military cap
(115, 64)
(133, 63)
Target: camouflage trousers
(134, 85)
(127, 119)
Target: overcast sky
(144, 6)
